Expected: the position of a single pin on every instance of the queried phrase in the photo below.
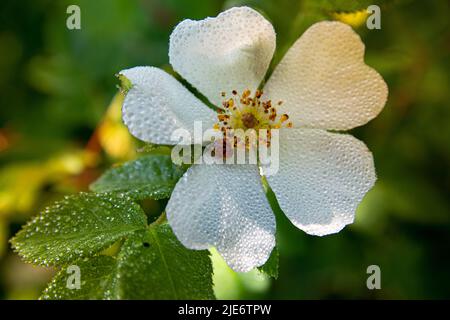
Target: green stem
(161, 219)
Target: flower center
(249, 112)
(249, 120)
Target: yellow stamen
(248, 111)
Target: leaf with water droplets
(153, 264)
(97, 280)
(151, 176)
(77, 226)
(271, 266)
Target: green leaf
(271, 266)
(153, 264)
(151, 176)
(98, 279)
(77, 226)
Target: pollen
(284, 117)
(250, 111)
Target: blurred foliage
(57, 135)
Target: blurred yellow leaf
(354, 19)
(20, 183)
(113, 136)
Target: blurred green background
(60, 128)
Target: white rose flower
(323, 84)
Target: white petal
(324, 81)
(231, 51)
(157, 104)
(322, 178)
(224, 206)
